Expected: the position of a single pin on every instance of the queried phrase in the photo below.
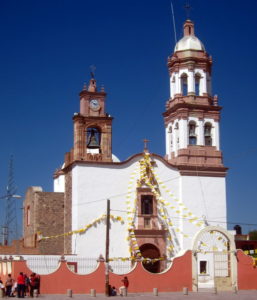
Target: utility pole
(107, 243)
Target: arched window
(93, 138)
(197, 84)
(192, 134)
(207, 134)
(184, 84)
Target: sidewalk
(240, 295)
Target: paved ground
(241, 295)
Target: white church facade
(159, 205)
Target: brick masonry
(44, 213)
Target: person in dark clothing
(21, 285)
(8, 285)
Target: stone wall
(18, 248)
(44, 213)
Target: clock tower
(92, 127)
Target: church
(160, 206)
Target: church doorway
(214, 261)
(150, 251)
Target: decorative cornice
(188, 170)
(78, 117)
(150, 232)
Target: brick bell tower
(92, 127)
(192, 115)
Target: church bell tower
(92, 127)
(192, 114)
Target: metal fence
(42, 264)
(46, 264)
(121, 267)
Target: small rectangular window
(203, 267)
(146, 204)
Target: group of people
(23, 286)
(113, 291)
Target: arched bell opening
(93, 140)
(192, 133)
(184, 84)
(208, 134)
(152, 252)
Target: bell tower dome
(92, 127)
(192, 114)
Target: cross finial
(92, 68)
(187, 8)
(145, 145)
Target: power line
(184, 218)
(122, 194)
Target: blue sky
(45, 53)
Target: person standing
(26, 290)
(8, 285)
(125, 284)
(21, 285)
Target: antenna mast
(9, 228)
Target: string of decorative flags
(131, 201)
(81, 230)
(144, 174)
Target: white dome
(189, 42)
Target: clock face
(94, 104)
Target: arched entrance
(214, 260)
(150, 251)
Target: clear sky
(48, 46)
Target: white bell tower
(192, 115)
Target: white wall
(204, 196)
(59, 184)
(93, 184)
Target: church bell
(92, 144)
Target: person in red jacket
(125, 285)
(21, 285)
